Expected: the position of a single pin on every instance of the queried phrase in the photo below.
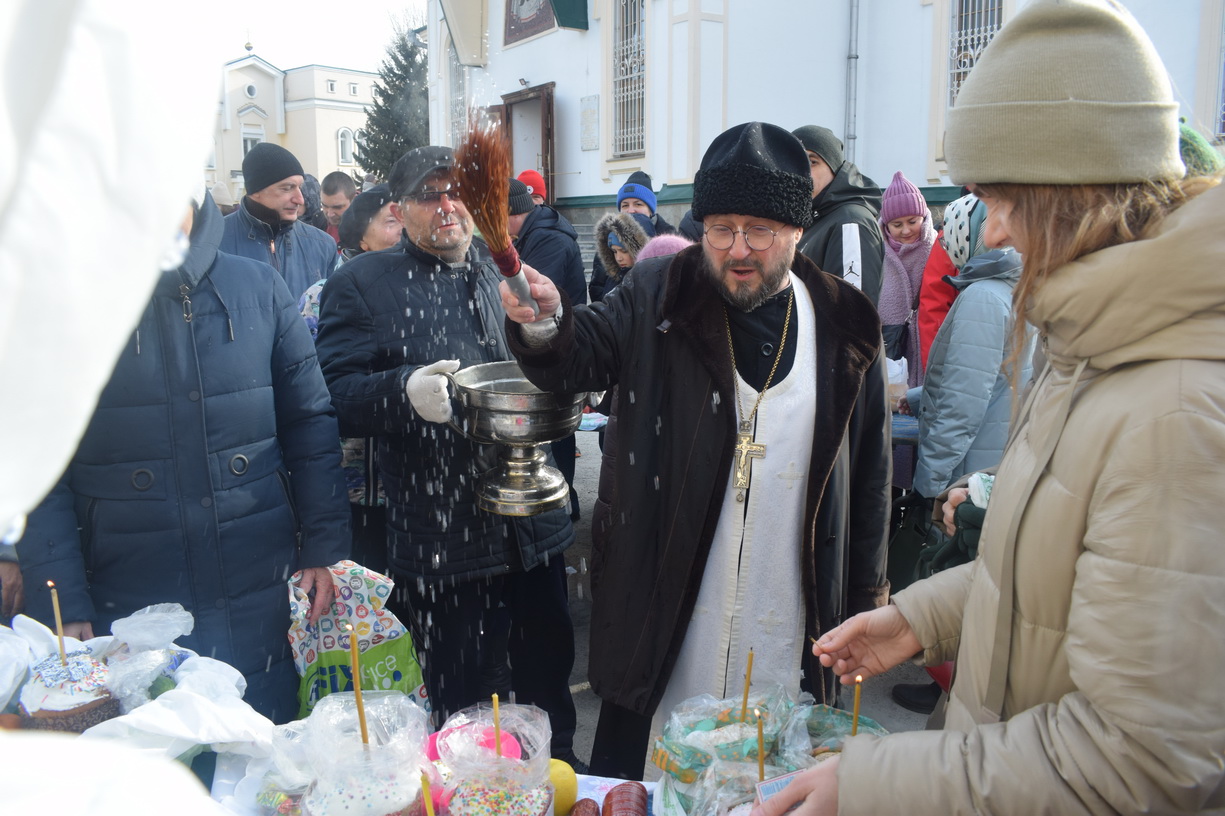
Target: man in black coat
(390, 324)
(844, 238)
(753, 458)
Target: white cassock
(751, 595)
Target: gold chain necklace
(746, 449)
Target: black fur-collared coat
(661, 337)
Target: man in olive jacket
(789, 508)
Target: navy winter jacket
(548, 243)
(383, 315)
(301, 253)
(209, 473)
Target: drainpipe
(852, 81)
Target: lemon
(565, 786)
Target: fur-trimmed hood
(628, 231)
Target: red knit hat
(901, 199)
(535, 183)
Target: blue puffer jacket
(382, 316)
(301, 253)
(209, 473)
(966, 397)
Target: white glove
(428, 392)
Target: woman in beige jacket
(1090, 632)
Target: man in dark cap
(844, 238)
(266, 227)
(753, 457)
(390, 324)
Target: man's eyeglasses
(759, 237)
(433, 196)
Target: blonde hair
(1058, 223)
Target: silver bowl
(499, 406)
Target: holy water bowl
(498, 406)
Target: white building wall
(716, 63)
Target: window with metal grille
(973, 25)
(629, 78)
(457, 80)
(1220, 97)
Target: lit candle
(356, 666)
(748, 679)
(761, 748)
(425, 794)
(59, 622)
(858, 691)
(497, 726)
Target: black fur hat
(755, 169)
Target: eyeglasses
(759, 237)
(433, 196)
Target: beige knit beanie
(1068, 92)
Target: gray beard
(744, 299)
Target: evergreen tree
(399, 120)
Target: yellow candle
(748, 679)
(858, 690)
(425, 794)
(497, 726)
(356, 666)
(761, 749)
(59, 622)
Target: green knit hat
(1198, 154)
(1068, 92)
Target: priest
(753, 459)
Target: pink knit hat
(901, 199)
(667, 244)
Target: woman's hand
(816, 789)
(868, 644)
(956, 496)
(903, 406)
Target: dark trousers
(563, 453)
(370, 537)
(461, 629)
(621, 740)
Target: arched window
(346, 143)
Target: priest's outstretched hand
(542, 289)
(868, 644)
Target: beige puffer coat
(1114, 652)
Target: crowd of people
(284, 403)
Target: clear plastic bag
(705, 728)
(483, 782)
(142, 658)
(815, 730)
(351, 777)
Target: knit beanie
(963, 229)
(266, 164)
(638, 185)
(755, 169)
(666, 244)
(221, 194)
(534, 182)
(1198, 154)
(520, 198)
(362, 210)
(1068, 92)
(901, 199)
(823, 142)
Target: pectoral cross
(746, 450)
